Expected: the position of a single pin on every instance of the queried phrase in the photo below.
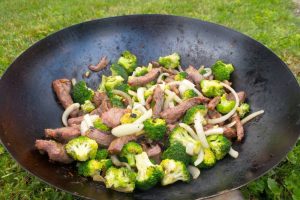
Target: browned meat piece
(63, 134)
(75, 121)
(147, 78)
(169, 71)
(104, 104)
(113, 116)
(155, 64)
(55, 151)
(213, 103)
(194, 75)
(103, 139)
(239, 128)
(230, 133)
(158, 98)
(169, 79)
(117, 144)
(171, 115)
(97, 99)
(171, 126)
(207, 127)
(213, 114)
(174, 89)
(148, 102)
(101, 65)
(241, 95)
(152, 150)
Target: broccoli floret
(148, 174)
(209, 159)
(211, 88)
(82, 148)
(243, 110)
(129, 151)
(170, 61)
(180, 135)
(106, 164)
(98, 124)
(222, 71)
(81, 92)
(118, 70)
(225, 106)
(115, 100)
(112, 82)
(148, 93)
(140, 71)
(191, 113)
(219, 144)
(155, 129)
(101, 87)
(120, 179)
(89, 168)
(123, 87)
(130, 117)
(88, 106)
(174, 171)
(128, 61)
(180, 76)
(101, 154)
(177, 152)
(190, 93)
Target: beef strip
(171, 115)
(147, 78)
(152, 150)
(103, 139)
(230, 133)
(174, 89)
(169, 79)
(213, 103)
(101, 65)
(63, 134)
(158, 98)
(155, 64)
(148, 102)
(55, 151)
(241, 95)
(113, 116)
(104, 104)
(213, 114)
(169, 71)
(75, 121)
(239, 128)
(97, 99)
(194, 75)
(117, 144)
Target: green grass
(271, 22)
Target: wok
(28, 104)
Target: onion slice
(140, 107)
(173, 96)
(73, 80)
(194, 171)
(251, 116)
(144, 117)
(132, 93)
(140, 95)
(68, 111)
(214, 131)
(118, 163)
(123, 94)
(228, 115)
(126, 129)
(180, 68)
(159, 79)
(208, 72)
(189, 149)
(233, 153)
(199, 158)
(189, 130)
(98, 178)
(200, 131)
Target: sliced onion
(251, 116)
(208, 72)
(233, 153)
(68, 111)
(200, 158)
(144, 117)
(228, 115)
(140, 107)
(73, 80)
(194, 171)
(159, 79)
(98, 178)
(231, 124)
(118, 163)
(174, 83)
(189, 130)
(171, 104)
(126, 129)
(200, 131)
(180, 68)
(214, 131)
(123, 94)
(132, 93)
(87, 122)
(173, 95)
(189, 149)
(167, 102)
(140, 95)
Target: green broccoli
(82, 148)
(101, 87)
(118, 70)
(177, 152)
(123, 87)
(81, 92)
(128, 61)
(120, 179)
(148, 174)
(112, 82)
(222, 71)
(130, 117)
(141, 71)
(225, 106)
(148, 93)
(155, 129)
(170, 61)
(219, 144)
(174, 171)
(180, 135)
(101, 154)
(190, 93)
(209, 159)
(180, 76)
(88, 106)
(243, 110)
(98, 124)
(191, 113)
(105, 164)
(129, 151)
(116, 100)
(211, 88)
(89, 168)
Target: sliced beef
(103, 139)
(97, 99)
(239, 128)
(147, 78)
(174, 89)
(172, 115)
(103, 103)
(101, 65)
(169, 79)
(117, 144)
(153, 150)
(230, 133)
(241, 95)
(113, 116)
(63, 134)
(158, 98)
(55, 151)
(75, 121)
(171, 126)
(213, 103)
(194, 75)
(213, 114)
(155, 64)
(169, 71)
(148, 102)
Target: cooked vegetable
(155, 129)
(190, 93)
(170, 61)
(88, 106)
(189, 117)
(116, 100)
(98, 124)
(81, 92)
(130, 117)
(68, 111)
(129, 151)
(174, 171)
(243, 110)
(177, 152)
(82, 148)
(106, 164)
(211, 88)
(118, 70)
(180, 76)
(140, 71)
(101, 154)
(225, 106)
(209, 159)
(89, 168)
(219, 145)
(222, 71)
(112, 82)
(128, 61)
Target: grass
(271, 22)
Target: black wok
(28, 105)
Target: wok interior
(28, 104)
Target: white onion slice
(189, 149)
(199, 158)
(180, 68)
(118, 163)
(87, 122)
(173, 95)
(98, 178)
(123, 94)
(199, 130)
(189, 130)
(194, 171)
(208, 72)
(132, 93)
(171, 104)
(174, 83)
(251, 116)
(214, 131)
(126, 129)
(144, 117)
(140, 107)
(228, 115)
(233, 153)
(140, 95)
(167, 102)
(68, 111)
(73, 80)
(159, 79)
(231, 124)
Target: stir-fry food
(148, 125)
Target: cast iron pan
(28, 104)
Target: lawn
(272, 22)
